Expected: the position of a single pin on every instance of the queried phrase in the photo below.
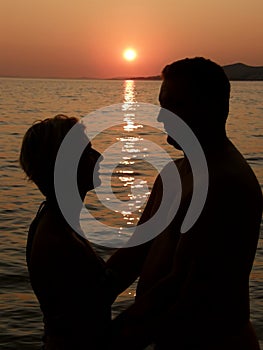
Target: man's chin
(173, 143)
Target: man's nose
(161, 116)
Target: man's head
(198, 91)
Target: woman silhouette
(69, 280)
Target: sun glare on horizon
(129, 54)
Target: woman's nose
(99, 156)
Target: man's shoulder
(173, 165)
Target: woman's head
(39, 151)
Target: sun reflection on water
(131, 150)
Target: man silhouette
(193, 290)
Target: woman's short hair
(39, 149)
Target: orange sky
(86, 38)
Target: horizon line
(149, 77)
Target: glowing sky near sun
(77, 38)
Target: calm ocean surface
(22, 101)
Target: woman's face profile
(88, 170)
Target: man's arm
(136, 327)
(126, 264)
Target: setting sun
(129, 54)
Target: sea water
(23, 101)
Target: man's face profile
(171, 98)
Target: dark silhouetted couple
(193, 288)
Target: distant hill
(236, 71)
(240, 71)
